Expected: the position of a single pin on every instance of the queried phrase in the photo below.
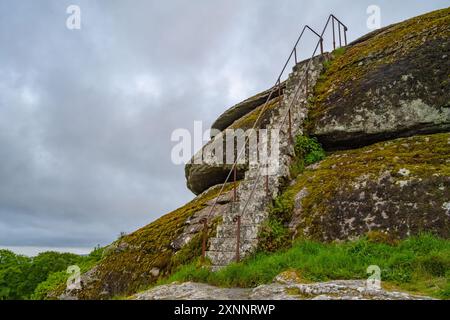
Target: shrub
(273, 236)
(308, 150)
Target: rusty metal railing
(276, 87)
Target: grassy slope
(126, 264)
(419, 265)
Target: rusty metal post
(307, 84)
(279, 94)
(238, 237)
(279, 91)
(295, 55)
(205, 227)
(290, 125)
(321, 46)
(345, 35)
(267, 181)
(234, 183)
(334, 35)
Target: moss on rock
(391, 83)
(249, 120)
(243, 108)
(399, 187)
(142, 257)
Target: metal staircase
(237, 235)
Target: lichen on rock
(399, 187)
(243, 108)
(392, 83)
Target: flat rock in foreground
(281, 289)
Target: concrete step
(249, 231)
(255, 217)
(229, 244)
(221, 258)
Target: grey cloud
(86, 116)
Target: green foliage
(13, 270)
(53, 281)
(273, 236)
(444, 293)
(308, 149)
(416, 265)
(339, 52)
(57, 279)
(20, 276)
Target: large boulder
(391, 83)
(400, 187)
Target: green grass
(419, 265)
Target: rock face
(200, 177)
(280, 289)
(392, 83)
(207, 169)
(400, 187)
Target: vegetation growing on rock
(400, 187)
(392, 83)
(250, 119)
(201, 176)
(274, 234)
(140, 258)
(243, 108)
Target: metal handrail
(288, 113)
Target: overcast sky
(86, 115)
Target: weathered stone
(400, 187)
(393, 83)
(200, 177)
(253, 194)
(194, 224)
(278, 290)
(207, 168)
